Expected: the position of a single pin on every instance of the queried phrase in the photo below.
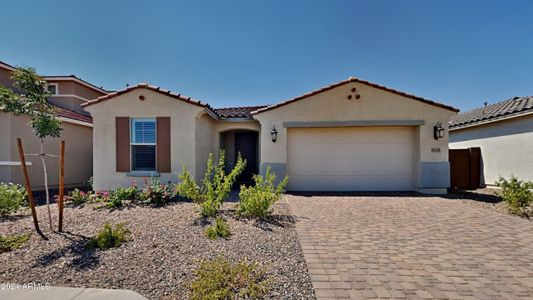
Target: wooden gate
(465, 168)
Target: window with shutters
(143, 144)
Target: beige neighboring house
(504, 132)
(69, 92)
(350, 136)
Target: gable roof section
(77, 80)
(508, 108)
(148, 87)
(237, 112)
(61, 78)
(349, 80)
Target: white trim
(13, 163)
(70, 95)
(77, 80)
(492, 120)
(73, 121)
(53, 84)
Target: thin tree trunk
(46, 185)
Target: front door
(246, 145)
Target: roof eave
(355, 80)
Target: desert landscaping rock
(159, 262)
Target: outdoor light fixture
(438, 131)
(274, 134)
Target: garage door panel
(359, 167)
(357, 151)
(351, 158)
(378, 134)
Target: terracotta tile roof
(148, 87)
(237, 112)
(515, 106)
(352, 79)
(75, 115)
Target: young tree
(29, 98)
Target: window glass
(52, 88)
(143, 139)
(143, 131)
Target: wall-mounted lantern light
(274, 134)
(438, 131)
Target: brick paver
(413, 248)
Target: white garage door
(351, 158)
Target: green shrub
(110, 237)
(156, 193)
(90, 183)
(517, 194)
(256, 201)
(219, 279)
(12, 242)
(219, 229)
(216, 185)
(77, 197)
(12, 198)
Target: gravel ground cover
(483, 198)
(159, 262)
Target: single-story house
(504, 132)
(350, 136)
(68, 92)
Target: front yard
(159, 262)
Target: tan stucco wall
(204, 134)
(374, 104)
(5, 78)
(74, 88)
(183, 133)
(78, 153)
(506, 147)
(5, 145)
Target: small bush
(90, 183)
(155, 193)
(219, 229)
(256, 201)
(12, 242)
(110, 237)
(517, 194)
(219, 279)
(77, 197)
(216, 185)
(12, 198)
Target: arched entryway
(245, 142)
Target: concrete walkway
(413, 248)
(65, 293)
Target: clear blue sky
(255, 52)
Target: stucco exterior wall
(78, 153)
(5, 145)
(506, 147)
(74, 88)
(205, 126)
(183, 118)
(374, 104)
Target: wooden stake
(61, 183)
(28, 186)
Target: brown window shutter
(163, 144)
(122, 125)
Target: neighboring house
(504, 132)
(68, 93)
(351, 136)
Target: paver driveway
(413, 247)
